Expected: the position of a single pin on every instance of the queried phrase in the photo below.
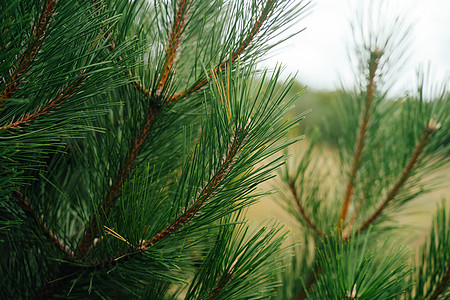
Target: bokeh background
(319, 58)
(319, 54)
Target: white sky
(319, 53)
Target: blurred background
(319, 56)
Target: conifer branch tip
(429, 129)
(29, 54)
(360, 142)
(303, 213)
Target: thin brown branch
(134, 82)
(420, 146)
(360, 142)
(205, 194)
(66, 93)
(124, 171)
(103, 210)
(236, 54)
(171, 52)
(444, 284)
(308, 285)
(220, 287)
(30, 53)
(174, 43)
(202, 198)
(49, 235)
(303, 213)
(348, 227)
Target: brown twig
(301, 209)
(49, 235)
(171, 51)
(174, 43)
(348, 227)
(431, 127)
(103, 210)
(29, 54)
(444, 284)
(220, 287)
(124, 171)
(134, 82)
(236, 54)
(205, 194)
(201, 199)
(308, 284)
(66, 93)
(360, 142)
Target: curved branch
(444, 284)
(423, 141)
(174, 43)
(204, 195)
(229, 276)
(236, 54)
(49, 235)
(302, 211)
(29, 54)
(360, 142)
(104, 208)
(66, 93)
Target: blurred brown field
(413, 221)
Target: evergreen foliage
(383, 155)
(132, 137)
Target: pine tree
(132, 137)
(385, 151)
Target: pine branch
(431, 127)
(134, 82)
(364, 123)
(58, 80)
(443, 286)
(302, 211)
(236, 54)
(92, 230)
(25, 62)
(112, 46)
(174, 43)
(65, 94)
(308, 284)
(49, 235)
(204, 195)
(229, 276)
(60, 277)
